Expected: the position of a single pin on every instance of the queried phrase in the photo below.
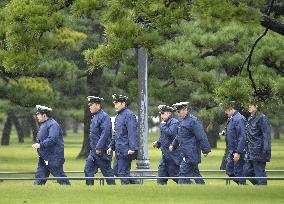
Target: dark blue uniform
(125, 138)
(170, 161)
(51, 152)
(100, 138)
(258, 147)
(236, 144)
(192, 139)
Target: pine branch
(277, 8)
(272, 24)
(249, 58)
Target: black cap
(42, 109)
(94, 99)
(180, 105)
(233, 104)
(119, 98)
(165, 108)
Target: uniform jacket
(236, 134)
(125, 134)
(100, 134)
(258, 138)
(168, 133)
(50, 138)
(192, 139)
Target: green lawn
(21, 157)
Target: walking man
(125, 141)
(236, 143)
(192, 139)
(258, 145)
(170, 161)
(100, 138)
(50, 147)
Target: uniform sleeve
(131, 125)
(266, 132)
(241, 134)
(170, 129)
(201, 137)
(175, 142)
(105, 133)
(112, 144)
(53, 134)
(159, 143)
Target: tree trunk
(63, 126)
(212, 128)
(34, 126)
(224, 159)
(75, 126)
(212, 131)
(94, 83)
(276, 131)
(18, 127)
(7, 131)
(86, 142)
(26, 126)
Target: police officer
(258, 145)
(100, 138)
(236, 142)
(192, 139)
(170, 161)
(50, 147)
(125, 142)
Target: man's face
(41, 117)
(182, 112)
(229, 112)
(119, 105)
(165, 115)
(94, 107)
(252, 109)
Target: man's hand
(36, 145)
(98, 151)
(222, 133)
(171, 148)
(236, 157)
(155, 144)
(109, 151)
(130, 152)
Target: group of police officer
(181, 142)
(248, 144)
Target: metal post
(143, 158)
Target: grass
(149, 193)
(21, 157)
